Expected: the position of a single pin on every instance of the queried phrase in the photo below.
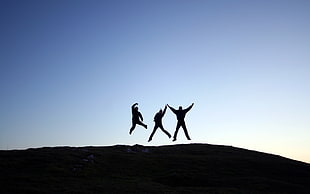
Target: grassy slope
(192, 168)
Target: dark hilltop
(190, 168)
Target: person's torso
(158, 117)
(180, 115)
(135, 114)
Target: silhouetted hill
(191, 168)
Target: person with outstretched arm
(136, 116)
(180, 113)
(158, 123)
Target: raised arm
(164, 110)
(133, 106)
(190, 107)
(172, 109)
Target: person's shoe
(145, 126)
(149, 140)
(189, 139)
(169, 136)
(174, 139)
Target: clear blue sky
(70, 71)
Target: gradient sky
(70, 71)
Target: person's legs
(185, 131)
(142, 124)
(132, 127)
(153, 132)
(166, 132)
(176, 131)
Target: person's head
(180, 107)
(160, 110)
(136, 108)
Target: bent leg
(142, 124)
(132, 127)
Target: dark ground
(191, 168)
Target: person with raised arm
(158, 123)
(136, 116)
(180, 114)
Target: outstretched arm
(190, 107)
(165, 110)
(172, 109)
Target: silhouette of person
(181, 123)
(136, 116)
(158, 123)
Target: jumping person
(158, 123)
(136, 116)
(181, 123)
